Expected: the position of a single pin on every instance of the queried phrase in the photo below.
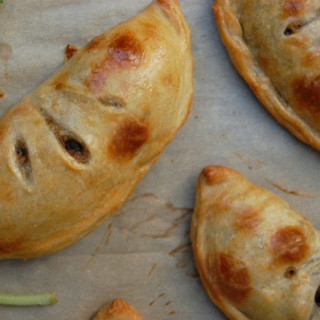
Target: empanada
(274, 46)
(73, 150)
(117, 310)
(258, 259)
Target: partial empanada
(275, 47)
(72, 151)
(118, 310)
(258, 259)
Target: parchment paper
(142, 254)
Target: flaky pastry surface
(274, 44)
(73, 150)
(257, 257)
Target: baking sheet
(142, 254)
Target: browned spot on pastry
(288, 245)
(232, 276)
(129, 136)
(1, 94)
(125, 51)
(216, 174)
(293, 7)
(307, 93)
(69, 52)
(247, 219)
(58, 86)
(11, 246)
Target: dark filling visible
(23, 158)
(317, 297)
(293, 28)
(22, 154)
(290, 272)
(288, 32)
(72, 144)
(75, 148)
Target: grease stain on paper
(151, 270)
(148, 224)
(154, 300)
(5, 54)
(293, 192)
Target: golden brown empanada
(258, 259)
(274, 46)
(118, 310)
(73, 150)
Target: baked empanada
(258, 259)
(73, 150)
(274, 46)
(118, 310)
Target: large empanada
(274, 44)
(73, 150)
(258, 259)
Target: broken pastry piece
(257, 257)
(275, 47)
(73, 150)
(117, 310)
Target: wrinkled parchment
(142, 254)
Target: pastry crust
(274, 46)
(117, 310)
(73, 150)
(257, 257)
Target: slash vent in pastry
(258, 259)
(72, 151)
(117, 310)
(274, 44)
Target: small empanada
(117, 310)
(73, 150)
(258, 259)
(275, 47)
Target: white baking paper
(142, 254)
